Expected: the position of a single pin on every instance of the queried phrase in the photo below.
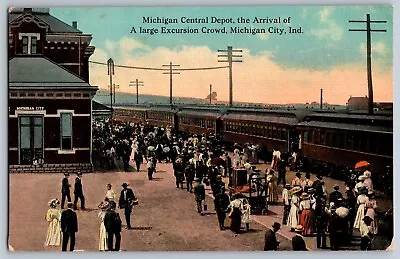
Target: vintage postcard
(251, 128)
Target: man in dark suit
(335, 195)
(125, 202)
(69, 226)
(298, 242)
(78, 191)
(65, 193)
(317, 186)
(112, 223)
(221, 203)
(271, 244)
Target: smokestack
(75, 24)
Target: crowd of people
(201, 160)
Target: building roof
(56, 26)
(100, 107)
(38, 71)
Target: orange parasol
(361, 164)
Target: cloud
(256, 79)
(263, 36)
(330, 28)
(376, 48)
(325, 13)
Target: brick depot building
(50, 99)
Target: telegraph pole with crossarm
(170, 78)
(110, 66)
(137, 83)
(369, 69)
(229, 55)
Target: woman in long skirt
(272, 187)
(103, 206)
(306, 217)
(235, 214)
(371, 206)
(361, 200)
(293, 218)
(53, 216)
(246, 211)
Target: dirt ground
(164, 220)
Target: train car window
(316, 137)
(342, 140)
(284, 134)
(349, 141)
(388, 145)
(327, 138)
(305, 136)
(322, 137)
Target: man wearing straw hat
(125, 202)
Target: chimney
(75, 24)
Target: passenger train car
(345, 139)
(326, 140)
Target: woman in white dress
(245, 208)
(103, 206)
(236, 157)
(293, 219)
(368, 181)
(53, 216)
(361, 200)
(110, 194)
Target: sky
(276, 69)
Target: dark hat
(79, 173)
(124, 185)
(66, 174)
(319, 177)
(276, 225)
(197, 180)
(367, 219)
(310, 190)
(336, 187)
(287, 185)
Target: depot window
(66, 130)
(29, 42)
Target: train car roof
(137, 108)
(299, 114)
(352, 116)
(199, 113)
(288, 120)
(345, 126)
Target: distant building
(50, 99)
(357, 103)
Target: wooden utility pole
(369, 68)
(170, 78)
(210, 93)
(229, 55)
(137, 83)
(320, 105)
(110, 65)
